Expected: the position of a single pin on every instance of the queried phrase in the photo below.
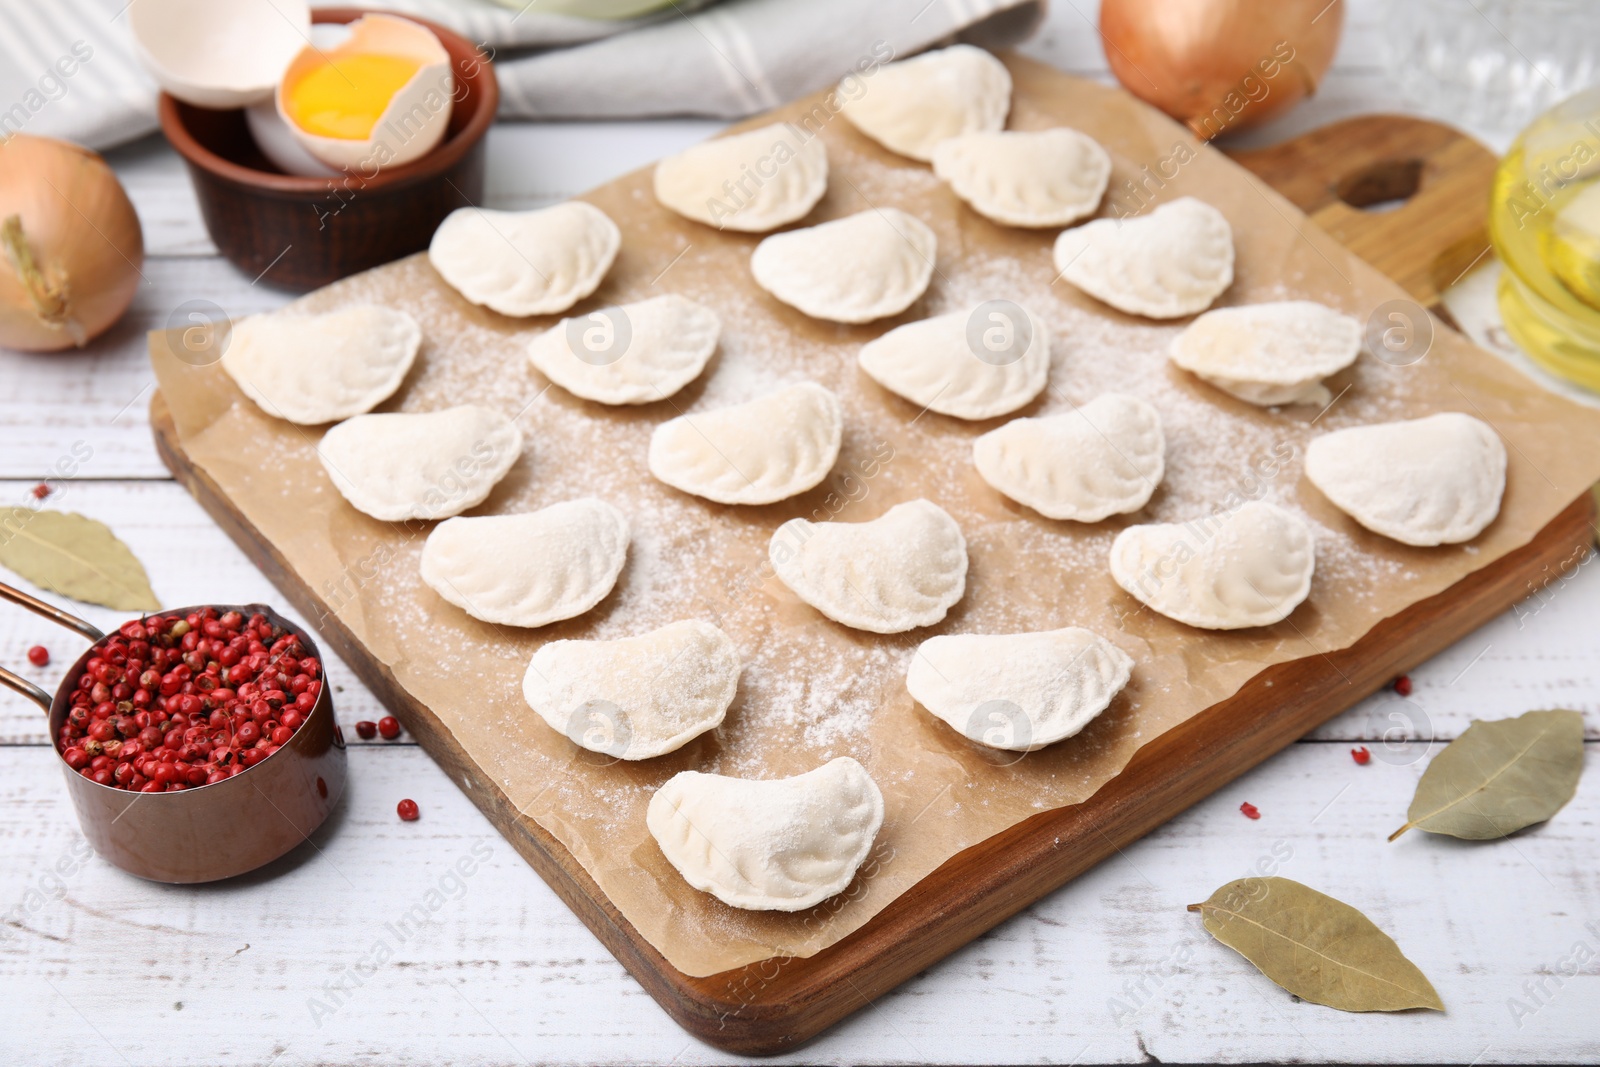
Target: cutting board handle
(1408, 195)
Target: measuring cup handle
(26, 688)
(54, 614)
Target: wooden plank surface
(1109, 969)
(1481, 920)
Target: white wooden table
(98, 967)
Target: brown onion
(70, 245)
(1220, 65)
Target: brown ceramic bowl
(300, 233)
(214, 831)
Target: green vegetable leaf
(1318, 948)
(74, 556)
(1500, 776)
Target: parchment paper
(812, 689)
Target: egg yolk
(346, 97)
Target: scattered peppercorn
(1402, 685)
(366, 729)
(389, 727)
(407, 810)
(39, 656)
(41, 491)
(1361, 755)
(168, 703)
(1250, 810)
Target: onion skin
(70, 245)
(1220, 65)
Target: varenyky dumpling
(1273, 353)
(758, 452)
(865, 266)
(975, 364)
(1251, 567)
(530, 569)
(1026, 177)
(911, 106)
(420, 465)
(636, 697)
(316, 368)
(632, 354)
(779, 844)
(904, 569)
(1103, 458)
(1019, 692)
(752, 182)
(1169, 263)
(525, 262)
(1430, 481)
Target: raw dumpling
(1104, 458)
(751, 182)
(1431, 481)
(973, 364)
(1249, 568)
(757, 452)
(632, 354)
(420, 465)
(525, 262)
(902, 570)
(1033, 178)
(910, 106)
(313, 369)
(1172, 262)
(862, 267)
(1268, 354)
(1018, 691)
(531, 569)
(636, 697)
(779, 844)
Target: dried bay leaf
(74, 556)
(1318, 948)
(1500, 776)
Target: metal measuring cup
(208, 832)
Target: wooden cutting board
(1334, 174)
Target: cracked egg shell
(381, 98)
(218, 53)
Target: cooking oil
(1544, 220)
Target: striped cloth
(67, 67)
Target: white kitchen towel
(67, 67)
